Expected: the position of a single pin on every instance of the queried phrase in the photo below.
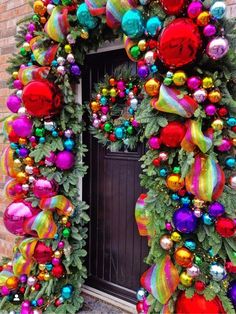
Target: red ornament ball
(179, 43)
(173, 7)
(199, 286)
(172, 134)
(140, 307)
(43, 253)
(41, 99)
(225, 227)
(198, 304)
(156, 162)
(58, 271)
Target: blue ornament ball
(66, 291)
(184, 220)
(185, 200)
(218, 10)
(230, 162)
(133, 23)
(69, 144)
(190, 244)
(85, 18)
(153, 26)
(175, 197)
(207, 220)
(232, 292)
(119, 133)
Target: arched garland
(42, 154)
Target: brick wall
(12, 11)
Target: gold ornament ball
(207, 82)
(42, 266)
(152, 87)
(183, 257)
(12, 282)
(215, 96)
(22, 141)
(176, 237)
(113, 92)
(218, 125)
(179, 78)
(47, 277)
(15, 75)
(198, 203)
(39, 7)
(17, 163)
(203, 18)
(174, 182)
(21, 177)
(234, 141)
(67, 48)
(32, 288)
(165, 242)
(104, 92)
(29, 161)
(142, 44)
(186, 280)
(41, 276)
(84, 34)
(95, 106)
(26, 46)
(64, 220)
(57, 254)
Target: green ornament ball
(23, 52)
(35, 18)
(197, 260)
(39, 132)
(107, 127)
(167, 81)
(130, 130)
(135, 52)
(176, 170)
(66, 2)
(66, 232)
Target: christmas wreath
(112, 110)
(186, 60)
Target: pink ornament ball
(210, 110)
(194, 9)
(194, 82)
(16, 215)
(225, 145)
(65, 160)
(13, 103)
(5, 291)
(209, 30)
(22, 126)
(45, 188)
(154, 142)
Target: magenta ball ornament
(194, 82)
(210, 110)
(65, 160)
(22, 126)
(13, 103)
(194, 9)
(154, 142)
(16, 215)
(45, 188)
(225, 145)
(209, 30)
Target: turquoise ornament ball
(230, 162)
(207, 220)
(69, 144)
(133, 23)
(153, 26)
(119, 133)
(66, 291)
(218, 10)
(190, 244)
(85, 18)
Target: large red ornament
(225, 227)
(42, 253)
(41, 99)
(173, 7)
(173, 134)
(198, 304)
(179, 43)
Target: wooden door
(111, 188)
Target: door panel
(111, 188)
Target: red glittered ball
(225, 227)
(179, 43)
(41, 99)
(198, 304)
(173, 134)
(58, 271)
(42, 253)
(173, 7)
(139, 307)
(199, 286)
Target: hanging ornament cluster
(113, 109)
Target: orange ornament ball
(12, 282)
(95, 106)
(39, 7)
(203, 18)
(215, 96)
(174, 182)
(183, 257)
(21, 177)
(152, 87)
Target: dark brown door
(111, 188)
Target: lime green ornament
(35, 18)
(176, 170)
(39, 132)
(66, 232)
(135, 52)
(198, 260)
(168, 81)
(108, 127)
(130, 130)
(23, 52)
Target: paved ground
(96, 306)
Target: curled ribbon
(59, 203)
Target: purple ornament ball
(143, 71)
(232, 292)
(22, 126)
(17, 84)
(185, 220)
(28, 37)
(209, 30)
(31, 27)
(23, 278)
(194, 82)
(13, 103)
(65, 160)
(217, 48)
(23, 152)
(75, 70)
(154, 142)
(210, 110)
(216, 209)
